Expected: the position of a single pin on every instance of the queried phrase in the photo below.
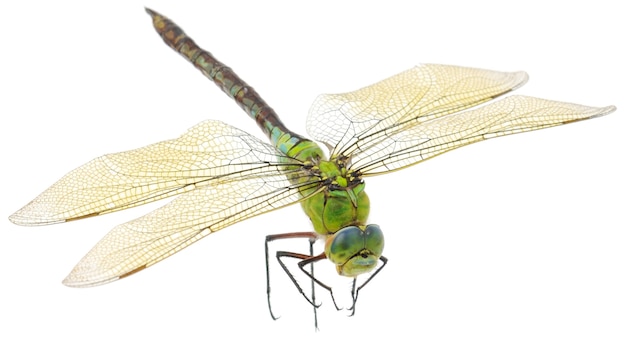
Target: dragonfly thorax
(339, 201)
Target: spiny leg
(312, 239)
(355, 289)
(305, 258)
(355, 294)
(311, 243)
(312, 260)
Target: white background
(518, 238)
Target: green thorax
(337, 205)
(341, 202)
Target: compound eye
(345, 244)
(374, 240)
(355, 250)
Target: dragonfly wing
(422, 93)
(138, 244)
(210, 151)
(420, 141)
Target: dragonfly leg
(281, 254)
(312, 239)
(355, 289)
(355, 294)
(311, 243)
(312, 260)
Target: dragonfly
(221, 175)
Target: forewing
(515, 114)
(208, 152)
(422, 93)
(140, 243)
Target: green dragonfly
(223, 175)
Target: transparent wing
(417, 142)
(140, 243)
(209, 152)
(422, 93)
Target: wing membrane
(140, 243)
(416, 142)
(209, 152)
(422, 93)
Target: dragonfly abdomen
(231, 84)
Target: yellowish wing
(142, 242)
(414, 142)
(223, 176)
(209, 152)
(421, 94)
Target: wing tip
(520, 78)
(605, 110)
(78, 279)
(75, 281)
(14, 218)
(18, 218)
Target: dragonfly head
(355, 249)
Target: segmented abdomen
(223, 76)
